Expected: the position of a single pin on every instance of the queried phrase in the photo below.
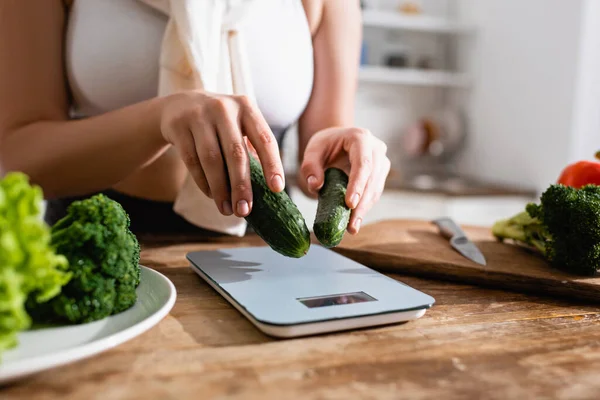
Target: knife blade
(459, 240)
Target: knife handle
(448, 228)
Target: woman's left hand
(357, 152)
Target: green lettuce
(29, 266)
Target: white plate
(49, 348)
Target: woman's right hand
(211, 133)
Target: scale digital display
(336, 299)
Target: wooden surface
(416, 248)
(474, 343)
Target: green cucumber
(275, 217)
(333, 214)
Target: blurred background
(481, 103)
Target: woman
(79, 112)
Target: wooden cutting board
(416, 248)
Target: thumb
(313, 169)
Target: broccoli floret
(103, 258)
(564, 227)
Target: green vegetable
(275, 217)
(29, 267)
(564, 228)
(104, 259)
(333, 214)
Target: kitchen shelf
(420, 23)
(416, 77)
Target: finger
(238, 166)
(250, 148)
(211, 158)
(359, 147)
(183, 141)
(358, 213)
(200, 178)
(372, 194)
(262, 139)
(313, 169)
(302, 184)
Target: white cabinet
(526, 74)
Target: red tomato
(580, 174)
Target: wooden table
(474, 343)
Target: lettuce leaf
(29, 266)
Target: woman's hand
(360, 154)
(212, 134)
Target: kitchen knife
(458, 240)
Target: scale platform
(318, 293)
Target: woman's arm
(76, 157)
(327, 137)
(336, 44)
(64, 157)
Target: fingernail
(227, 208)
(312, 180)
(357, 224)
(354, 200)
(277, 182)
(242, 207)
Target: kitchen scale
(318, 293)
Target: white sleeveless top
(113, 49)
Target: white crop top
(113, 48)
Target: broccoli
(103, 257)
(564, 227)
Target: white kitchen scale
(318, 293)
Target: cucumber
(333, 214)
(275, 217)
